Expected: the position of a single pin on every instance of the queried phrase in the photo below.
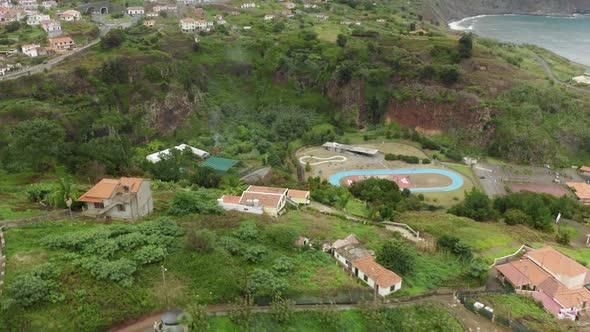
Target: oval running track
(457, 180)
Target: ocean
(566, 36)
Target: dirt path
(470, 321)
(580, 240)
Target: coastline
(454, 25)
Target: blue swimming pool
(457, 180)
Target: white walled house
(135, 11)
(125, 198)
(269, 17)
(188, 25)
(258, 200)
(299, 196)
(248, 5)
(70, 16)
(62, 44)
(361, 263)
(49, 4)
(52, 27)
(28, 4)
(31, 50)
(37, 18)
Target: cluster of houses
(360, 262)
(582, 189)
(29, 9)
(555, 280)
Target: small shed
(220, 164)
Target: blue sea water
(566, 36)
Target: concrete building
(585, 170)
(361, 263)
(37, 18)
(52, 27)
(70, 16)
(135, 11)
(31, 50)
(62, 44)
(157, 156)
(258, 200)
(581, 190)
(299, 196)
(125, 198)
(337, 147)
(555, 280)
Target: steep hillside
(450, 10)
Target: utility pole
(164, 284)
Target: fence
(49, 216)
(469, 304)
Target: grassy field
(415, 318)
(524, 310)
(490, 240)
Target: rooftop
(582, 189)
(382, 276)
(353, 252)
(105, 189)
(351, 148)
(220, 164)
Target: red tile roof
(229, 199)
(298, 193)
(351, 239)
(267, 190)
(382, 276)
(585, 168)
(556, 263)
(582, 189)
(106, 188)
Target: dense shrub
(516, 216)
(322, 191)
(36, 286)
(194, 202)
(150, 254)
(264, 282)
(120, 270)
(202, 240)
(282, 236)
(283, 264)
(247, 231)
(232, 245)
(254, 253)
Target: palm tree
(63, 190)
(233, 185)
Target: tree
(282, 309)
(341, 40)
(12, 27)
(397, 256)
(63, 190)
(115, 71)
(478, 270)
(466, 45)
(36, 143)
(264, 282)
(476, 205)
(516, 216)
(196, 318)
(113, 39)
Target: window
(365, 278)
(392, 288)
(121, 207)
(98, 205)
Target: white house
(152, 14)
(37, 18)
(52, 27)
(149, 23)
(28, 4)
(289, 5)
(361, 263)
(188, 25)
(248, 5)
(258, 200)
(299, 196)
(70, 16)
(187, 2)
(31, 50)
(161, 8)
(156, 157)
(49, 4)
(134, 11)
(269, 17)
(310, 6)
(125, 198)
(4, 69)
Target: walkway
(550, 74)
(470, 321)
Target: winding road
(550, 74)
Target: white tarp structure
(156, 157)
(582, 79)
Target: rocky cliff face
(451, 10)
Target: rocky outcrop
(452, 10)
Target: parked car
(169, 322)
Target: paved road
(471, 321)
(550, 74)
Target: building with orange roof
(62, 43)
(361, 263)
(581, 190)
(259, 200)
(585, 170)
(124, 198)
(554, 279)
(299, 196)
